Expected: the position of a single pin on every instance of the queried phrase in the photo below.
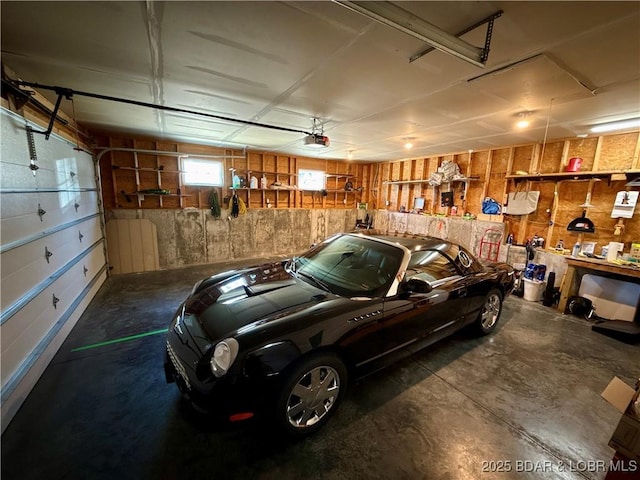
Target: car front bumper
(226, 397)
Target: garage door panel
(22, 333)
(17, 228)
(56, 207)
(60, 208)
(24, 267)
(87, 204)
(15, 173)
(18, 205)
(75, 278)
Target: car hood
(248, 297)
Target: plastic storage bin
(533, 290)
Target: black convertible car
(285, 338)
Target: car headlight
(223, 356)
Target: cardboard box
(490, 218)
(626, 437)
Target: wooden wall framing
(493, 173)
(393, 185)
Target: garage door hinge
(41, 212)
(55, 301)
(85, 270)
(80, 236)
(77, 205)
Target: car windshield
(350, 266)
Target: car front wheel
(490, 313)
(311, 393)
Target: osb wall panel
(584, 148)
(497, 182)
(522, 158)
(605, 195)
(479, 162)
(551, 158)
(474, 197)
(570, 196)
(617, 151)
(538, 221)
(464, 162)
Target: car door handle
(462, 292)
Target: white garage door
(52, 258)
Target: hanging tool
(214, 203)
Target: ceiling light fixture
(350, 155)
(619, 125)
(523, 122)
(408, 143)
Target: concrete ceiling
(573, 64)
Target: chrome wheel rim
(313, 396)
(491, 311)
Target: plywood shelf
(560, 176)
(403, 182)
(144, 169)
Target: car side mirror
(414, 285)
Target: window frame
(301, 179)
(202, 161)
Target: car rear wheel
(310, 394)
(490, 313)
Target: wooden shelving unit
(560, 176)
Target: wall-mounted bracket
(487, 43)
(61, 92)
(395, 16)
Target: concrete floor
(522, 403)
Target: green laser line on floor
(119, 340)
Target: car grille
(178, 366)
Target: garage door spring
(32, 150)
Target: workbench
(577, 267)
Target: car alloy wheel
(490, 312)
(311, 393)
(313, 396)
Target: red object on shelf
(574, 164)
(490, 244)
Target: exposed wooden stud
(534, 164)
(636, 154)
(565, 155)
(596, 156)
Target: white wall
(55, 209)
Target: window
(311, 179)
(203, 172)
